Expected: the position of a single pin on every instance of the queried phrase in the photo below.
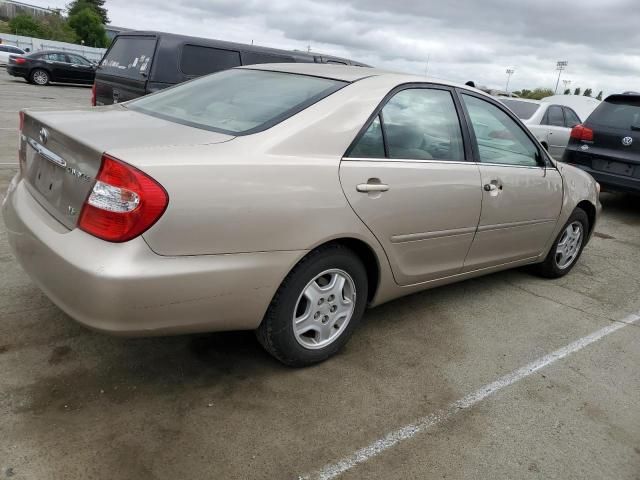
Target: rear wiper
(635, 127)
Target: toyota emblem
(626, 141)
(44, 135)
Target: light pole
(566, 83)
(560, 66)
(509, 72)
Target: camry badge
(626, 141)
(44, 136)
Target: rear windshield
(523, 110)
(237, 101)
(129, 57)
(617, 113)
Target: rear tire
(567, 248)
(39, 77)
(316, 308)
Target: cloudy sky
(460, 39)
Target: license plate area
(617, 168)
(46, 177)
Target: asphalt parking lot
(466, 368)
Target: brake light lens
(123, 203)
(93, 95)
(20, 60)
(580, 132)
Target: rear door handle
(372, 187)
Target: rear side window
(371, 144)
(619, 113)
(238, 101)
(555, 116)
(253, 58)
(197, 61)
(129, 57)
(56, 57)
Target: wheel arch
(365, 253)
(590, 209)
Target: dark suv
(138, 63)
(607, 144)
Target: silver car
(550, 123)
(284, 199)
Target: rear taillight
(93, 95)
(123, 204)
(580, 132)
(20, 60)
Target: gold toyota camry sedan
(285, 199)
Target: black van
(138, 63)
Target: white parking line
(409, 431)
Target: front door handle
(372, 187)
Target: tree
(540, 93)
(576, 91)
(567, 91)
(599, 97)
(26, 25)
(587, 92)
(56, 28)
(88, 27)
(96, 5)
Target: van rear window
(197, 61)
(129, 57)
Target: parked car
(6, 50)
(550, 123)
(138, 63)
(607, 145)
(46, 66)
(284, 198)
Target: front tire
(316, 308)
(567, 248)
(39, 77)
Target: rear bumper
(16, 71)
(612, 182)
(127, 289)
(607, 180)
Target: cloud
(460, 39)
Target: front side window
(554, 116)
(570, 117)
(78, 60)
(499, 138)
(238, 101)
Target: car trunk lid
(61, 152)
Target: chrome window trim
(447, 162)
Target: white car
(549, 122)
(6, 50)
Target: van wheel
(567, 248)
(39, 77)
(316, 308)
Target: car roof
(350, 73)
(523, 100)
